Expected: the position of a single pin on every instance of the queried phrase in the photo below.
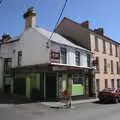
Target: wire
(1, 2)
(58, 19)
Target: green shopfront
(51, 80)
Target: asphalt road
(36, 111)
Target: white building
(51, 65)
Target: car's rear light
(112, 93)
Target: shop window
(63, 55)
(77, 57)
(77, 79)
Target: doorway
(50, 86)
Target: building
(106, 52)
(34, 61)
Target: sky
(100, 13)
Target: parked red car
(109, 95)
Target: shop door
(20, 86)
(50, 85)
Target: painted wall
(33, 47)
(71, 54)
(101, 75)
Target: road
(36, 111)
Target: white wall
(33, 47)
(71, 54)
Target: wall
(102, 76)
(33, 47)
(75, 31)
(71, 54)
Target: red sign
(55, 56)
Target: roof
(57, 38)
(13, 39)
(79, 25)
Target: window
(63, 55)
(111, 49)
(117, 66)
(112, 71)
(77, 79)
(118, 83)
(116, 50)
(97, 64)
(77, 57)
(112, 83)
(19, 58)
(97, 85)
(104, 47)
(105, 66)
(88, 60)
(96, 43)
(7, 65)
(106, 83)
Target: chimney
(30, 18)
(86, 24)
(6, 37)
(99, 31)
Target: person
(67, 97)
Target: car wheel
(116, 100)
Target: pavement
(52, 104)
(57, 104)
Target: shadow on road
(14, 99)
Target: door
(20, 86)
(50, 85)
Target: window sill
(105, 72)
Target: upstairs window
(63, 55)
(116, 50)
(88, 60)
(96, 44)
(118, 69)
(111, 52)
(19, 58)
(104, 47)
(112, 71)
(97, 64)
(77, 57)
(105, 66)
(7, 65)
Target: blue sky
(101, 13)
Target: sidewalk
(57, 104)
